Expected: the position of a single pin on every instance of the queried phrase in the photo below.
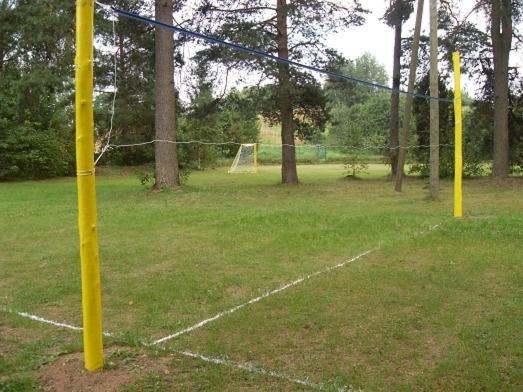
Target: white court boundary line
(276, 291)
(51, 322)
(252, 369)
(265, 295)
(214, 360)
(225, 362)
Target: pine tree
(291, 30)
(36, 75)
(166, 159)
(396, 15)
(501, 29)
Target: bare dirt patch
(123, 367)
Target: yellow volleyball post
(90, 266)
(458, 139)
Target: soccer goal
(246, 160)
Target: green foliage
(29, 152)
(239, 120)
(36, 73)
(254, 23)
(231, 120)
(365, 67)
(473, 137)
(359, 115)
(363, 125)
(309, 100)
(398, 12)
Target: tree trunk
(395, 100)
(434, 103)
(288, 169)
(410, 98)
(3, 11)
(166, 160)
(501, 34)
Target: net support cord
(259, 53)
(115, 12)
(297, 146)
(113, 19)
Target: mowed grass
(442, 310)
(307, 154)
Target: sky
(374, 37)
(377, 38)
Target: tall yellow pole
(458, 139)
(90, 266)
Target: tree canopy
(37, 67)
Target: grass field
(308, 154)
(428, 309)
(269, 150)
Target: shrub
(29, 152)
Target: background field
(269, 150)
(440, 310)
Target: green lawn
(307, 154)
(441, 310)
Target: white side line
(257, 299)
(218, 361)
(45, 321)
(247, 367)
(55, 323)
(272, 292)
(251, 368)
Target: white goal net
(245, 160)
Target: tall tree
(292, 30)
(501, 34)
(36, 74)
(434, 103)
(289, 173)
(166, 160)
(396, 15)
(488, 61)
(8, 21)
(409, 101)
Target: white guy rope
(296, 146)
(364, 147)
(113, 19)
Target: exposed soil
(123, 367)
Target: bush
(28, 152)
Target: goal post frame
(255, 157)
(237, 159)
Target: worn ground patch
(123, 367)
